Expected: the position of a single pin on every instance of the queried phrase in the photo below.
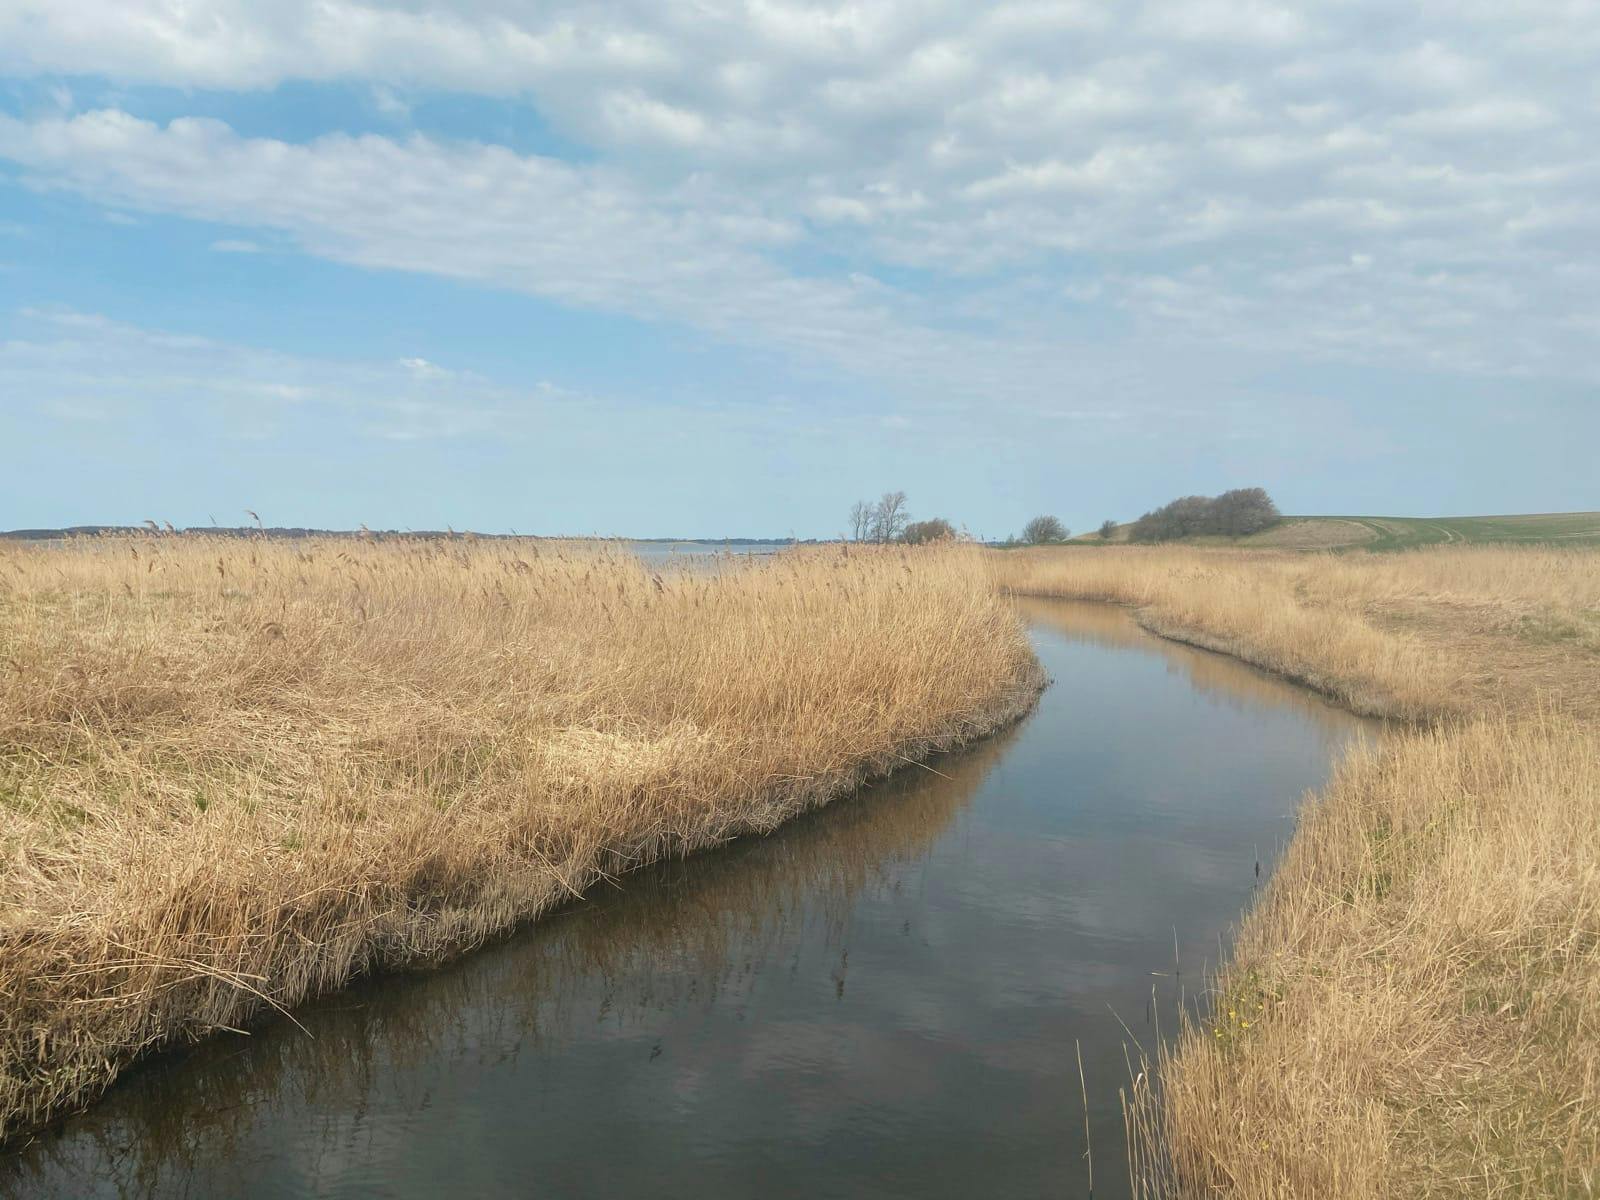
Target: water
(883, 999)
(694, 553)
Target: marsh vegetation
(888, 996)
(234, 774)
(1412, 1007)
(237, 774)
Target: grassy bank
(235, 774)
(1413, 1006)
(1407, 533)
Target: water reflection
(881, 999)
(676, 937)
(1214, 674)
(699, 554)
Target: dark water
(883, 999)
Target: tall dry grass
(234, 774)
(1419, 636)
(1413, 1009)
(1413, 1006)
(709, 917)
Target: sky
(713, 268)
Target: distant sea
(667, 551)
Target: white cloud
(85, 367)
(1110, 169)
(585, 236)
(423, 369)
(1498, 115)
(1230, 22)
(390, 103)
(1245, 153)
(634, 117)
(235, 246)
(82, 368)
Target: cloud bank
(987, 204)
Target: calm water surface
(882, 999)
(697, 553)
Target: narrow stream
(882, 999)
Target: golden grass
(235, 774)
(1420, 636)
(1413, 1007)
(704, 914)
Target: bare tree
(1108, 530)
(1044, 529)
(889, 517)
(860, 520)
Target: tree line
(1234, 513)
(888, 519)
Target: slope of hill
(1403, 533)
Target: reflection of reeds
(235, 773)
(1422, 635)
(1413, 1002)
(1412, 1006)
(1208, 672)
(675, 933)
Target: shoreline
(849, 785)
(1367, 1035)
(211, 892)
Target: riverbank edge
(1195, 1061)
(1341, 691)
(754, 816)
(1356, 695)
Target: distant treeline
(888, 519)
(238, 531)
(295, 531)
(1232, 514)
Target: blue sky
(722, 269)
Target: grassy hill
(1403, 533)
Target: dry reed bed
(720, 911)
(1413, 1009)
(1413, 1006)
(235, 774)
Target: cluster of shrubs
(936, 529)
(1232, 514)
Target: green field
(1405, 533)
